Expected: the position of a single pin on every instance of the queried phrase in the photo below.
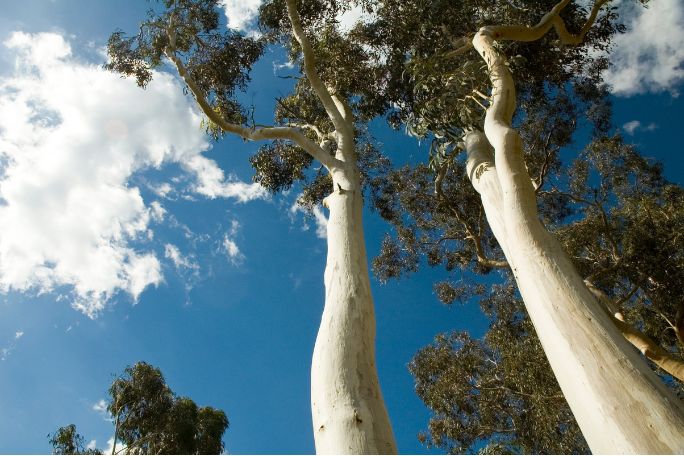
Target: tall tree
(619, 220)
(619, 404)
(320, 121)
(150, 419)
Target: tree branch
(647, 346)
(268, 133)
(341, 124)
(550, 20)
(470, 234)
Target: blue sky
(126, 235)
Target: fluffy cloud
(650, 56)
(241, 13)
(633, 126)
(71, 136)
(211, 182)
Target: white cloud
(230, 247)
(633, 126)
(179, 261)
(92, 445)
(71, 137)
(319, 218)
(241, 14)
(100, 406)
(11, 345)
(650, 56)
(120, 447)
(232, 250)
(157, 211)
(162, 190)
(212, 182)
(321, 223)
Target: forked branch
(550, 20)
(336, 115)
(265, 133)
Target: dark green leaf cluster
(278, 165)
(217, 60)
(67, 441)
(151, 419)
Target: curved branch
(647, 346)
(550, 20)
(285, 133)
(336, 116)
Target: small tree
(67, 441)
(150, 419)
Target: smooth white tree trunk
(349, 415)
(620, 405)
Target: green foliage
(438, 94)
(611, 209)
(150, 419)
(218, 60)
(498, 390)
(67, 441)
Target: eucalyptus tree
(150, 419)
(620, 222)
(67, 441)
(463, 87)
(321, 120)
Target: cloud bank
(650, 56)
(71, 137)
(241, 14)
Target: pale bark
(647, 346)
(348, 411)
(349, 414)
(620, 404)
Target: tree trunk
(620, 405)
(349, 414)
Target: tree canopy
(599, 203)
(150, 419)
